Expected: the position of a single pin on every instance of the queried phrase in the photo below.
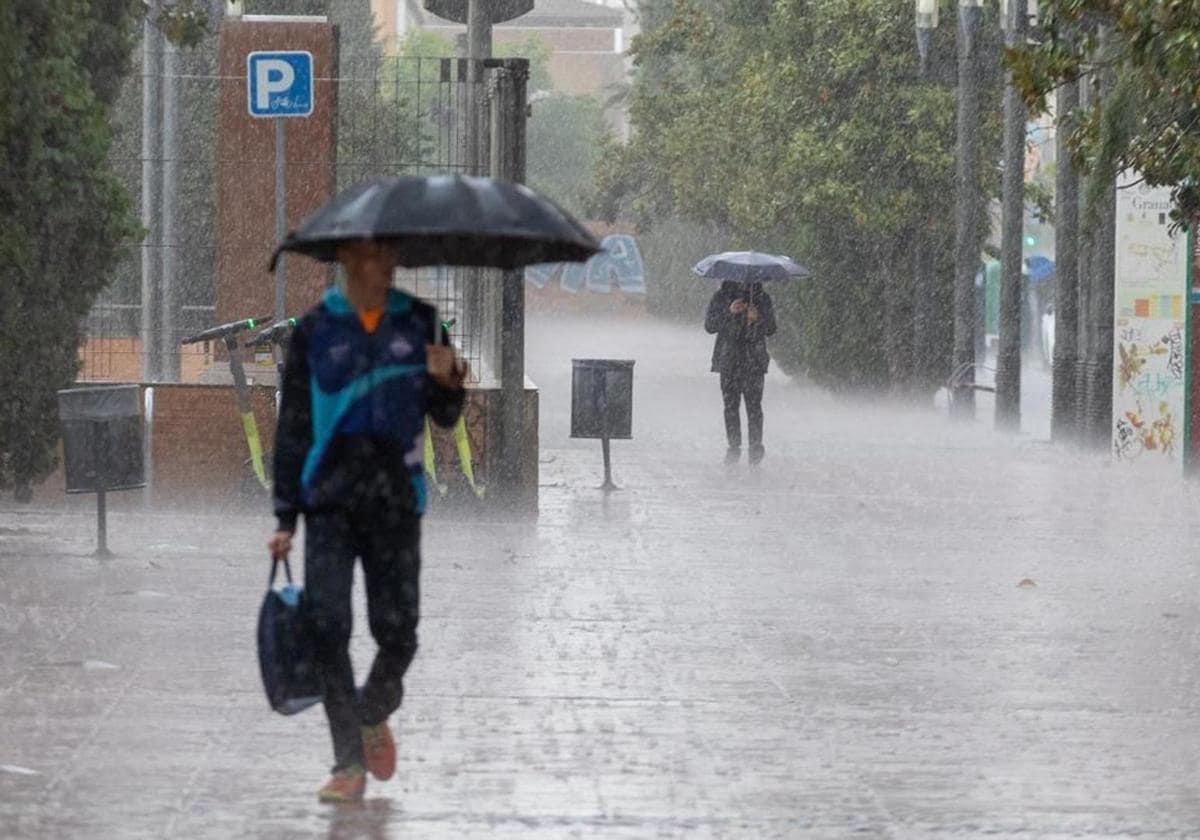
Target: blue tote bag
(285, 657)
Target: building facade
(587, 40)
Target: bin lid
(100, 402)
(604, 364)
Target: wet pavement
(893, 628)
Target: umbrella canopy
(749, 267)
(1038, 269)
(445, 220)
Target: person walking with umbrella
(742, 316)
(363, 370)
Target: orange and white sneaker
(344, 786)
(380, 750)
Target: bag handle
(287, 570)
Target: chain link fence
(395, 116)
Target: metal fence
(395, 116)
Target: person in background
(741, 315)
(363, 370)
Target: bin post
(100, 459)
(601, 386)
(608, 485)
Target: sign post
(1150, 335)
(279, 85)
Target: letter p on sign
(279, 84)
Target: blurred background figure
(741, 316)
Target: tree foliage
(801, 126)
(65, 215)
(1151, 120)
(567, 136)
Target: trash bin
(602, 399)
(602, 404)
(102, 438)
(102, 445)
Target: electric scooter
(228, 334)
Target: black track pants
(391, 563)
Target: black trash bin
(602, 404)
(102, 443)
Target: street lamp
(966, 216)
(927, 14)
(1015, 17)
(1012, 223)
(925, 366)
(927, 21)
(966, 180)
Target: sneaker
(344, 786)
(380, 750)
(733, 454)
(756, 455)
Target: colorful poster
(1149, 358)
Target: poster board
(1150, 331)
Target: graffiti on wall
(619, 264)
(1148, 391)
(1149, 359)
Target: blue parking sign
(280, 84)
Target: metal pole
(102, 525)
(152, 42)
(100, 459)
(966, 238)
(1063, 418)
(479, 47)
(1101, 316)
(608, 485)
(280, 219)
(479, 30)
(508, 153)
(1098, 428)
(1012, 228)
(600, 385)
(148, 445)
(923, 361)
(169, 341)
(1085, 244)
(479, 299)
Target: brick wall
(199, 446)
(199, 449)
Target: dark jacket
(741, 347)
(353, 407)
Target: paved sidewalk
(832, 645)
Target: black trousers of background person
(736, 387)
(391, 561)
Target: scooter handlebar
(224, 330)
(277, 333)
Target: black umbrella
(446, 220)
(749, 267)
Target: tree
(65, 215)
(800, 126)
(567, 136)
(1151, 121)
(534, 48)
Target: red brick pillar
(246, 170)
